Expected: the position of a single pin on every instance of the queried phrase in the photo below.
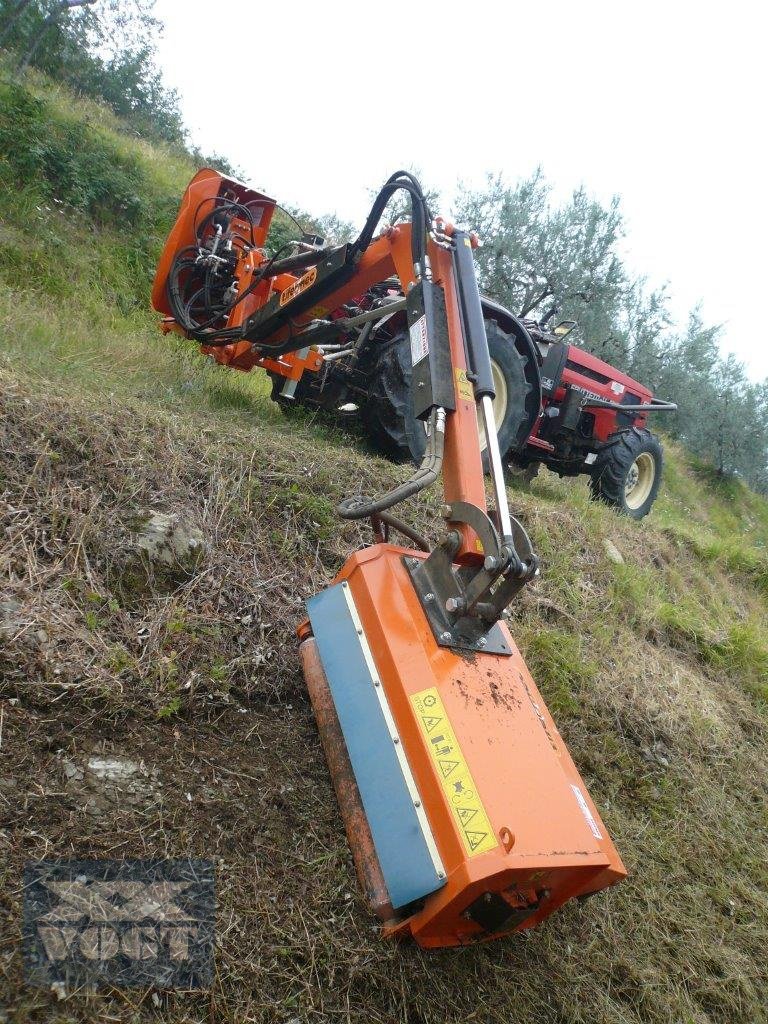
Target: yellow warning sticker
(464, 387)
(455, 777)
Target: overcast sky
(662, 103)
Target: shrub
(69, 160)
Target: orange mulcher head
(463, 808)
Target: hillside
(656, 670)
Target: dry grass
(197, 678)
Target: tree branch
(13, 17)
(64, 7)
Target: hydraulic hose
(361, 506)
(204, 332)
(400, 180)
(393, 523)
(299, 261)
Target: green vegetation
(656, 669)
(84, 211)
(104, 49)
(565, 260)
(63, 156)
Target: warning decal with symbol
(453, 771)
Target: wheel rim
(640, 478)
(499, 403)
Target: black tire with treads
(389, 424)
(388, 416)
(613, 464)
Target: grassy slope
(656, 671)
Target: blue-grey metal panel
(406, 863)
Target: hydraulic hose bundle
(421, 216)
(362, 507)
(202, 289)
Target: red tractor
(555, 403)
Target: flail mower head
(466, 816)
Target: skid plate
(392, 802)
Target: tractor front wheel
(627, 473)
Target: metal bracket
(463, 603)
(487, 639)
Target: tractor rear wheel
(388, 416)
(627, 473)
